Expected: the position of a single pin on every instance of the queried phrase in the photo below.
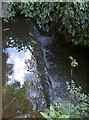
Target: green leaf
(45, 115)
(63, 116)
(34, 42)
(70, 57)
(51, 108)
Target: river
(33, 75)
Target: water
(46, 41)
(58, 65)
(34, 75)
(26, 86)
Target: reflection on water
(18, 60)
(21, 81)
(22, 84)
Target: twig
(8, 104)
(35, 72)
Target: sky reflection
(20, 73)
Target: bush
(65, 109)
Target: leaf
(63, 116)
(45, 110)
(53, 115)
(18, 50)
(34, 42)
(51, 108)
(30, 34)
(45, 115)
(71, 57)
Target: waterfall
(45, 41)
(37, 31)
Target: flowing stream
(35, 75)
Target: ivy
(70, 17)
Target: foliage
(75, 93)
(55, 112)
(76, 21)
(69, 19)
(74, 63)
(11, 12)
(21, 104)
(65, 109)
(68, 109)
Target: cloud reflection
(20, 69)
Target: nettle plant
(75, 93)
(66, 109)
